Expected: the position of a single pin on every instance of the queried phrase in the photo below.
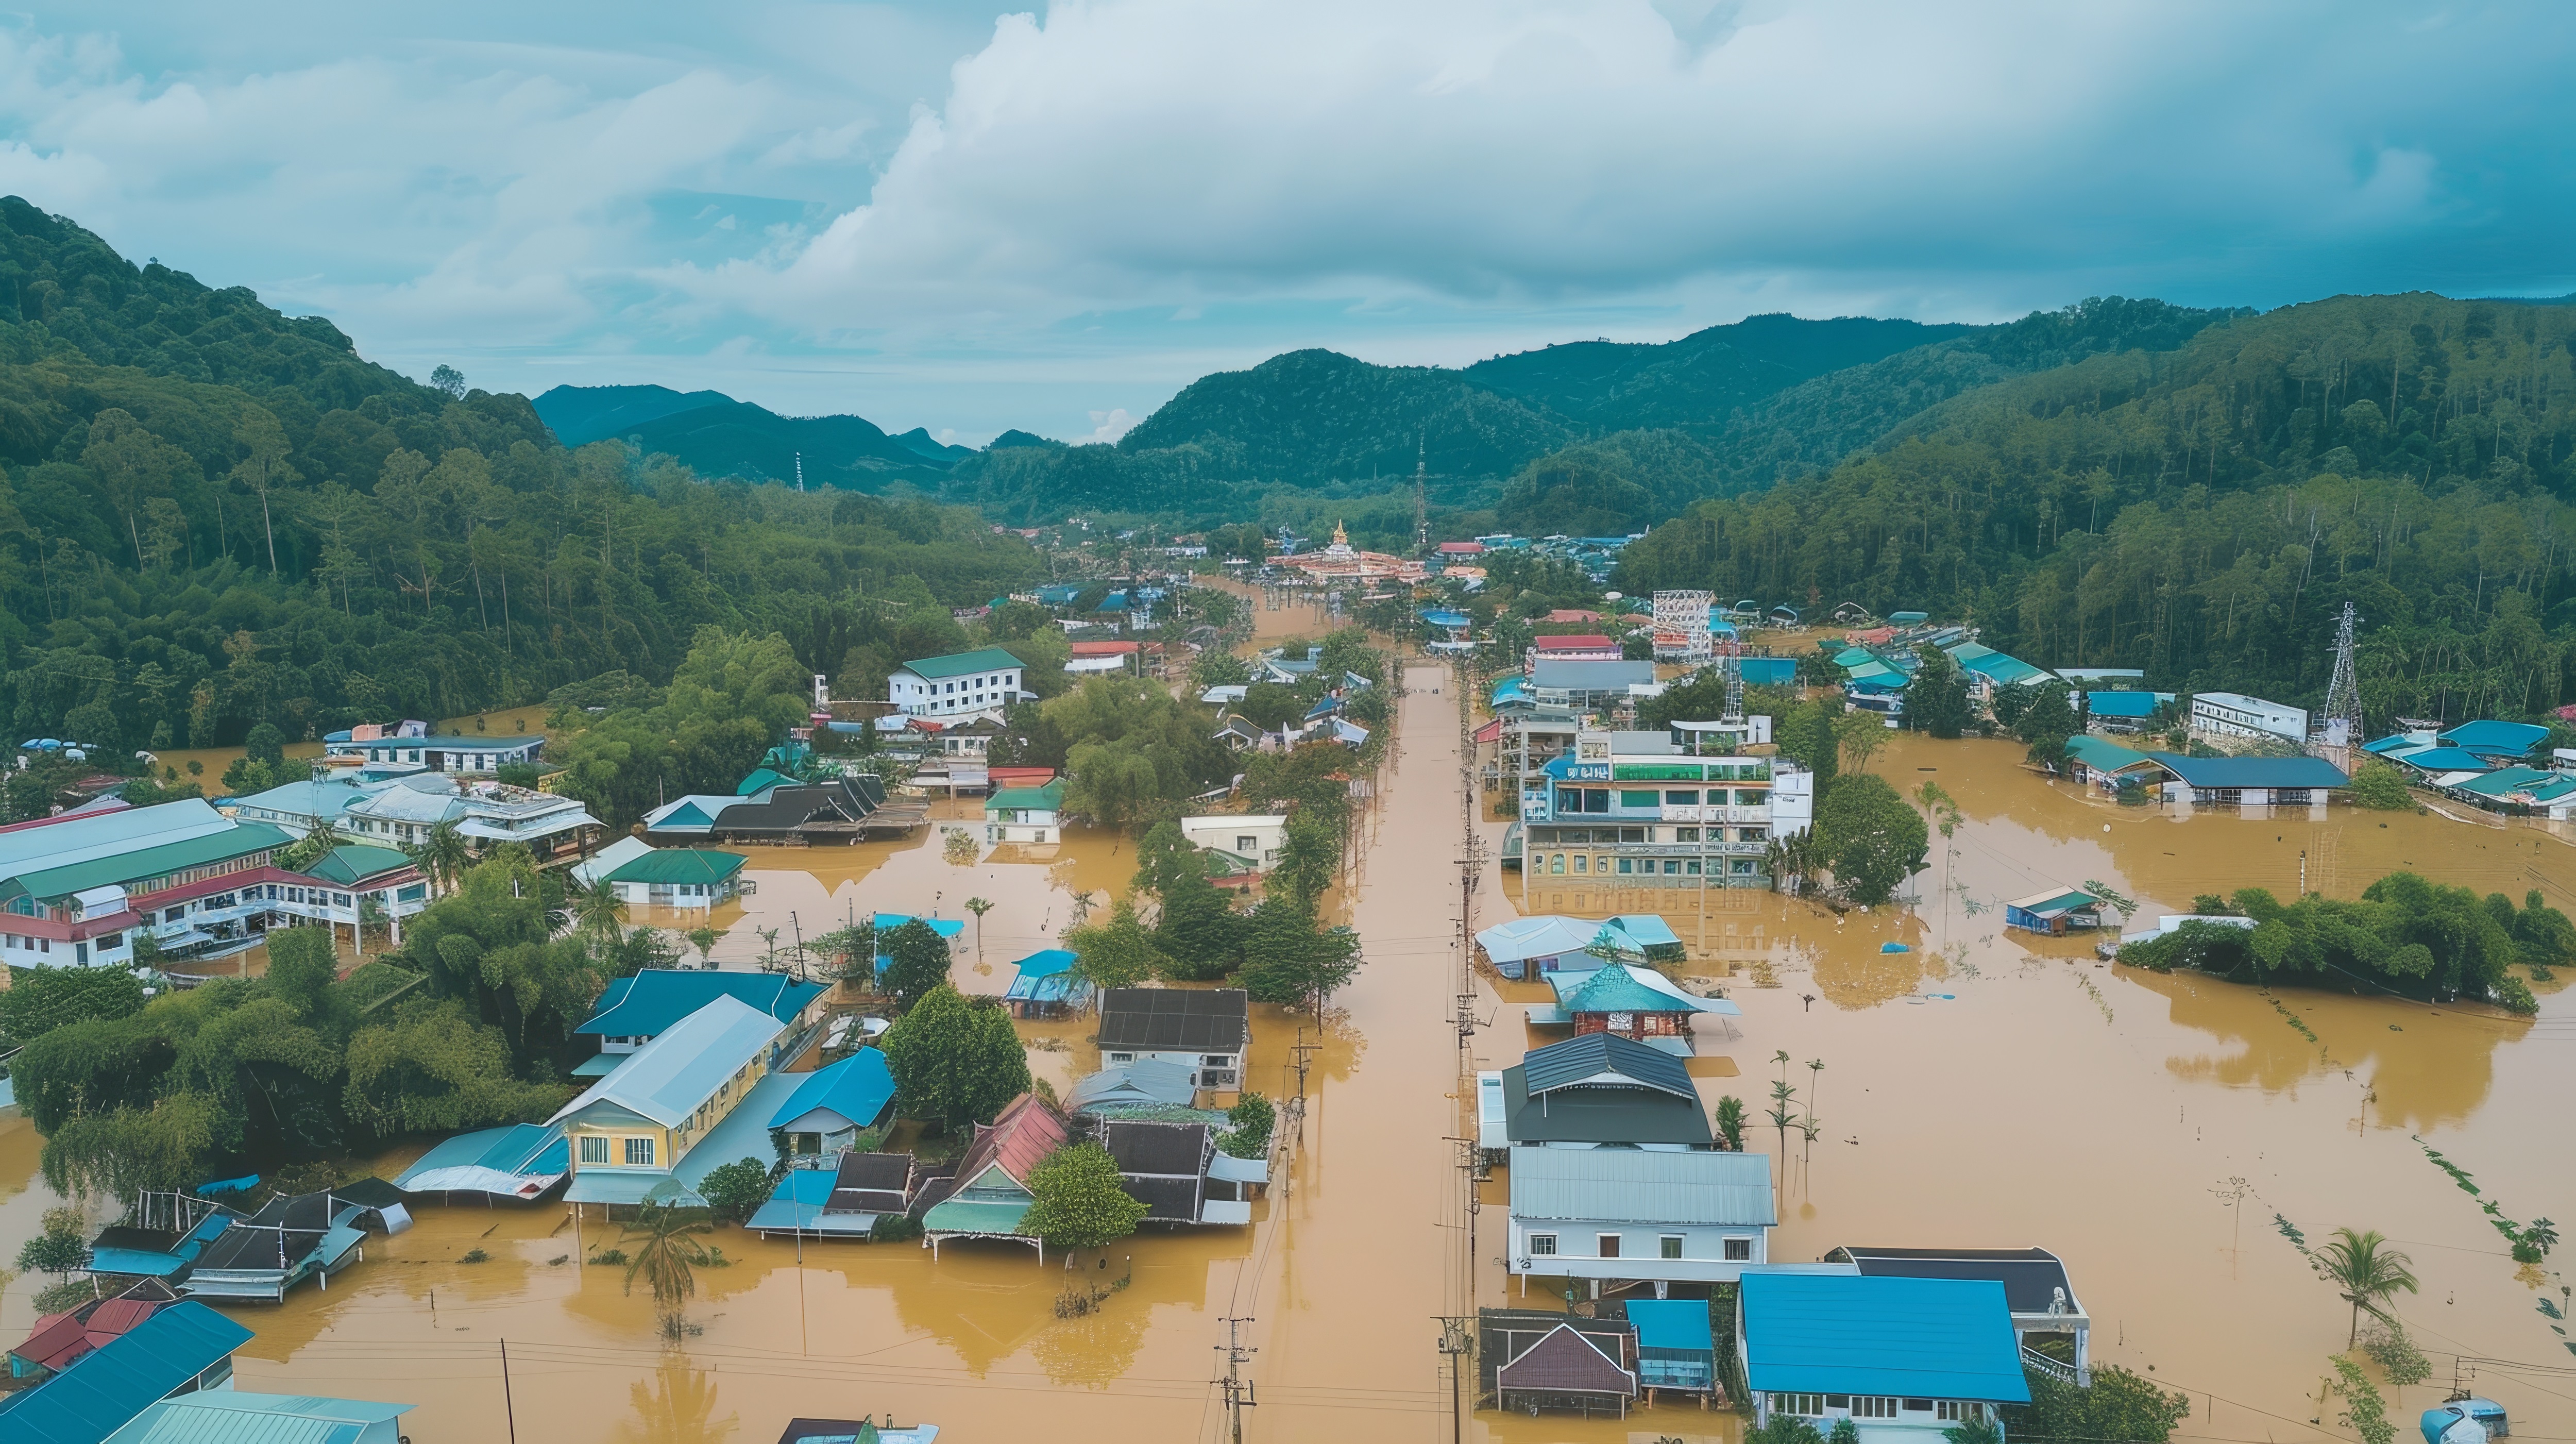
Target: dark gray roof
(2030, 1276)
(1178, 1149)
(1566, 1362)
(1168, 1200)
(1214, 1019)
(789, 808)
(1590, 1055)
(871, 1183)
(1600, 1115)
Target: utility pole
(509, 1411)
(1303, 1052)
(1238, 1390)
(1457, 1341)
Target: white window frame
(1541, 1245)
(634, 1146)
(587, 1150)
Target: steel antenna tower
(2343, 693)
(1421, 510)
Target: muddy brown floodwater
(1979, 1089)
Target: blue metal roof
(2253, 771)
(2393, 742)
(518, 1150)
(227, 1416)
(2120, 704)
(684, 1065)
(856, 1089)
(945, 927)
(2441, 759)
(107, 1387)
(1046, 962)
(1671, 1323)
(648, 1003)
(1906, 1337)
(2511, 739)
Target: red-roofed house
(1571, 614)
(1462, 549)
(1589, 647)
(1101, 657)
(988, 1194)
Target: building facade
(2233, 714)
(962, 682)
(1610, 1216)
(1635, 806)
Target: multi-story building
(2233, 714)
(1646, 811)
(485, 815)
(963, 682)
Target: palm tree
(979, 906)
(662, 1246)
(597, 910)
(2367, 1273)
(442, 856)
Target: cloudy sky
(971, 218)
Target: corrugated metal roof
(1049, 798)
(959, 1215)
(857, 1088)
(1587, 1058)
(225, 1416)
(107, 1388)
(1621, 1185)
(1565, 1361)
(2120, 704)
(2207, 772)
(101, 834)
(237, 840)
(1214, 1019)
(1621, 988)
(353, 862)
(651, 1001)
(1671, 1323)
(1907, 1337)
(2509, 738)
(667, 865)
(2103, 756)
(961, 664)
(670, 1076)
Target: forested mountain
(714, 435)
(212, 516)
(2204, 512)
(1701, 380)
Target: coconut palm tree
(2367, 1273)
(597, 911)
(979, 906)
(662, 1248)
(442, 856)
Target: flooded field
(1979, 1089)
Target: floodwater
(1977, 1090)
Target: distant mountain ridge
(716, 435)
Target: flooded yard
(1979, 1089)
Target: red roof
(56, 1340)
(1462, 549)
(116, 1316)
(1020, 776)
(1490, 732)
(1586, 643)
(1571, 614)
(1104, 649)
(1019, 1140)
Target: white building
(1025, 814)
(486, 814)
(1257, 840)
(1631, 1215)
(2233, 714)
(963, 682)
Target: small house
(1147, 1085)
(1601, 1090)
(1566, 1369)
(1025, 814)
(632, 1130)
(1044, 985)
(679, 877)
(1257, 839)
(1504, 1336)
(609, 859)
(634, 1010)
(291, 1239)
(987, 1193)
(842, 1201)
(1618, 1216)
(833, 1103)
(177, 1352)
(2295, 781)
(1169, 1165)
(2055, 912)
(1904, 1359)
(1204, 1030)
(58, 1339)
(1676, 1349)
(1632, 1000)
(2108, 766)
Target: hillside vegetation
(214, 516)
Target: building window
(1964, 1411)
(1672, 1245)
(1542, 1245)
(1871, 1406)
(639, 1153)
(1579, 863)
(1917, 1406)
(1739, 1250)
(1607, 1245)
(1805, 1406)
(1681, 797)
(1122, 1057)
(1645, 798)
(594, 1150)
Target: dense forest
(2204, 512)
(214, 516)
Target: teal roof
(352, 863)
(1047, 962)
(648, 1003)
(988, 659)
(2103, 756)
(519, 1150)
(667, 865)
(1671, 1324)
(856, 1089)
(2504, 780)
(128, 1374)
(945, 927)
(228, 1416)
(667, 1078)
(1619, 988)
(959, 1215)
(761, 780)
(243, 839)
(2120, 704)
(66, 840)
(2508, 738)
(1905, 1337)
(1049, 798)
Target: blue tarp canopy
(945, 927)
(2120, 704)
(797, 1203)
(1906, 1337)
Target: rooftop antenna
(800, 471)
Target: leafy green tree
(302, 966)
(2045, 722)
(2118, 1405)
(1290, 959)
(917, 960)
(1730, 1123)
(1936, 700)
(2380, 786)
(955, 1060)
(39, 1000)
(1807, 737)
(1199, 934)
(1270, 706)
(1116, 951)
(1249, 1124)
(2366, 1273)
(734, 1191)
(61, 1249)
(431, 1068)
(166, 1145)
(1078, 1199)
(1860, 735)
(1868, 835)
(1308, 858)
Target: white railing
(2061, 1372)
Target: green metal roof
(1616, 988)
(761, 780)
(148, 862)
(665, 866)
(968, 1216)
(1049, 798)
(2103, 756)
(987, 659)
(351, 863)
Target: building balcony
(1669, 1270)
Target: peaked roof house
(1601, 1090)
(58, 1339)
(1630, 1215)
(2054, 911)
(179, 1350)
(1632, 1000)
(1904, 1358)
(1147, 1085)
(640, 1007)
(1564, 1369)
(1025, 814)
(1044, 985)
(2036, 1290)
(843, 1201)
(634, 1129)
(1166, 1165)
(987, 1194)
(679, 877)
(836, 1101)
(1204, 1030)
